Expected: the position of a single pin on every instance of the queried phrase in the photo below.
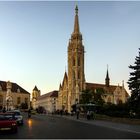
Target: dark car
(18, 116)
(8, 122)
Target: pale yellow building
(48, 101)
(12, 95)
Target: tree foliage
(134, 85)
(90, 96)
(24, 106)
(86, 96)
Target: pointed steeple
(35, 88)
(107, 79)
(76, 22)
(60, 86)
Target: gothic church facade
(74, 80)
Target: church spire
(107, 79)
(76, 22)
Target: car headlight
(20, 118)
(13, 124)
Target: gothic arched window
(73, 61)
(109, 100)
(78, 61)
(73, 74)
(78, 74)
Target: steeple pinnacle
(107, 78)
(76, 10)
(76, 24)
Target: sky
(34, 38)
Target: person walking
(77, 113)
(88, 115)
(29, 113)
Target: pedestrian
(29, 113)
(77, 113)
(61, 112)
(4, 110)
(88, 115)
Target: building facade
(48, 101)
(74, 81)
(12, 96)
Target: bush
(120, 110)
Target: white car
(18, 116)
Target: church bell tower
(76, 76)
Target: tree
(134, 86)
(98, 96)
(86, 96)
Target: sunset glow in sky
(34, 39)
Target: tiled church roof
(109, 89)
(50, 94)
(15, 87)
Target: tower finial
(76, 10)
(76, 22)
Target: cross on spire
(76, 10)
(76, 23)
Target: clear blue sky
(34, 38)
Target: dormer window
(0, 88)
(18, 90)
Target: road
(52, 127)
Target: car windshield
(16, 113)
(6, 117)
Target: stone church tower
(35, 94)
(73, 81)
(76, 77)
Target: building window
(73, 74)
(78, 74)
(18, 90)
(1, 99)
(79, 61)
(0, 88)
(18, 100)
(109, 100)
(73, 61)
(26, 100)
(119, 101)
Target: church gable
(65, 82)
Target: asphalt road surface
(52, 127)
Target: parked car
(8, 122)
(18, 116)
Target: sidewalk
(108, 124)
